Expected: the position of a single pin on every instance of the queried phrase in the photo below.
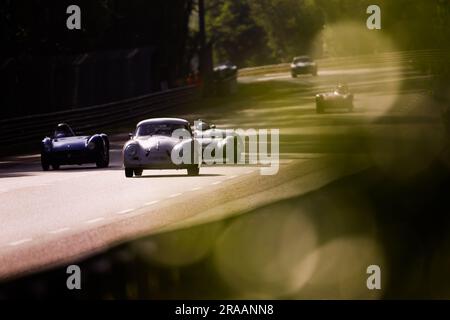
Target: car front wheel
(45, 165)
(193, 171)
(138, 172)
(350, 105)
(235, 157)
(319, 107)
(129, 173)
(102, 159)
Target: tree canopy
(250, 32)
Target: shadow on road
(178, 176)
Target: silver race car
(170, 143)
(218, 145)
(303, 65)
(339, 98)
(153, 144)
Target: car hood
(157, 143)
(70, 143)
(217, 133)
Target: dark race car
(66, 148)
(225, 78)
(303, 65)
(225, 71)
(339, 98)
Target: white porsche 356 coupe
(170, 143)
(152, 144)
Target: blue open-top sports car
(66, 148)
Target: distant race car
(218, 140)
(303, 65)
(339, 98)
(66, 148)
(225, 79)
(224, 71)
(151, 146)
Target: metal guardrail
(33, 128)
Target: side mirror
(213, 126)
(130, 136)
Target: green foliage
(252, 32)
(235, 35)
(291, 25)
(249, 31)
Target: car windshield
(226, 64)
(342, 89)
(63, 131)
(164, 129)
(201, 125)
(302, 59)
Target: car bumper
(336, 103)
(162, 166)
(303, 70)
(155, 164)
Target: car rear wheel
(129, 173)
(319, 107)
(103, 159)
(235, 157)
(193, 171)
(294, 75)
(138, 172)
(350, 105)
(45, 164)
(236, 150)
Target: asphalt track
(54, 217)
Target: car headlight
(131, 150)
(91, 145)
